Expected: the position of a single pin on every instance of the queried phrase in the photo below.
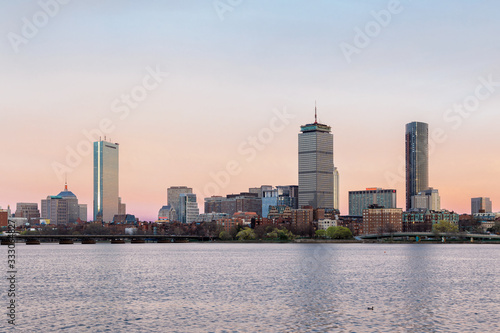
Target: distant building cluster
(315, 200)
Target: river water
(211, 287)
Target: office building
(233, 203)
(82, 209)
(417, 160)
(105, 181)
(316, 179)
(260, 190)
(280, 196)
(188, 208)
(167, 214)
(480, 205)
(73, 211)
(173, 198)
(428, 199)
(56, 209)
(122, 207)
(360, 200)
(29, 211)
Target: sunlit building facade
(105, 181)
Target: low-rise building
(420, 220)
(211, 217)
(382, 220)
(239, 218)
(303, 215)
(326, 223)
(353, 222)
(4, 217)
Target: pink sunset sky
(209, 84)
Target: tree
(235, 229)
(246, 234)
(321, 233)
(496, 227)
(339, 233)
(224, 235)
(444, 227)
(281, 234)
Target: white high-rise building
(316, 169)
(188, 208)
(105, 181)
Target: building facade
(336, 188)
(82, 212)
(105, 181)
(167, 214)
(279, 196)
(417, 160)
(173, 198)
(382, 220)
(360, 200)
(316, 169)
(28, 210)
(232, 203)
(480, 205)
(188, 208)
(326, 223)
(4, 217)
(428, 199)
(55, 208)
(302, 215)
(423, 220)
(73, 210)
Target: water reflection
(259, 288)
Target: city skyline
(217, 104)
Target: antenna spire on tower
(315, 113)
(65, 182)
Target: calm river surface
(256, 288)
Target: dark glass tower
(417, 159)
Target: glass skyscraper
(316, 168)
(105, 181)
(417, 160)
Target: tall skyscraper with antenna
(105, 181)
(316, 169)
